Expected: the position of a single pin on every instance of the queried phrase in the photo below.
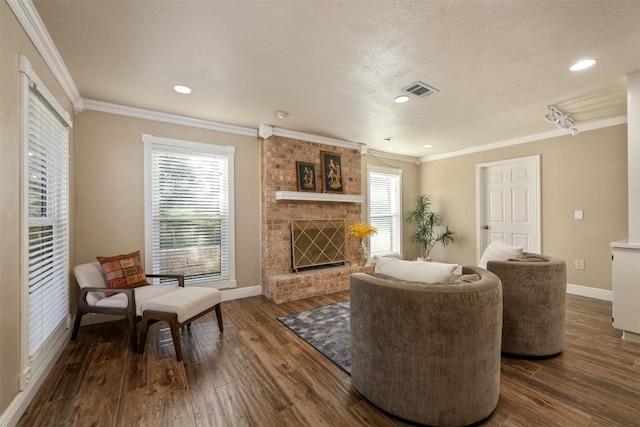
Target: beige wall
(110, 187)
(410, 188)
(14, 42)
(587, 171)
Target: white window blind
(191, 213)
(48, 220)
(385, 210)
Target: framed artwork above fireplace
(306, 176)
(331, 165)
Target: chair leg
(144, 327)
(134, 336)
(219, 316)
(175, 334)
(76, 325)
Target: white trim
(531, 138)
(24, 224)
(150, 142)
(389, 171)
(385, 169)
(286, 133)
(141, 113)
(480, 197)
(586, 291)
(391, 156)
(16, 408)
(239, 293)
(26, 13)
(177, 144)
(27, 70)
(319, 197)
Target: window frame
(397, 172)
(150, 142)
(33, 364)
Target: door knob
(486, 227)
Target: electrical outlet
(579, 264)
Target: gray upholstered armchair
(534, 289)
(428, 353)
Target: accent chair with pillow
(118, 286)
(534, 288)
(427, 352)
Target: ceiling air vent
(420, 89)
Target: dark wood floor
(258, 373)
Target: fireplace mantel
(319, 197)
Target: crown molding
(141, 113)
(26, 13)
(286, 133)
(391, 156)
(583, 127)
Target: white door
(508, 203)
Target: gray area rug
(327, 328)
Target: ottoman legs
(149, 317)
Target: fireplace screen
(317, 242)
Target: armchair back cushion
(90, 275)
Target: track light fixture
(560, 119)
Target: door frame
(481, 199)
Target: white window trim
(34, 368)
(150, 142)
(390, 171)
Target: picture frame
(332, 179)
(306, 176)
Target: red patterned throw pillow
(123, 271)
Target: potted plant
(428, 223)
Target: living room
(586, 172)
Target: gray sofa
(534, 289)
(428, 353)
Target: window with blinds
(48, 219)
(385, 210)
(190, 215)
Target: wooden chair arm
(178, 277)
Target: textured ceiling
(336, 66)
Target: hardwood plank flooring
(259, 373)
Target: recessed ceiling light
(281, 114)
(387, 139)
(428, 146)
(182, 89)
(583, 64)
(401, 99)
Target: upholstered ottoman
(177, 308)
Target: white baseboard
(14, 411)
(239, 293)
(585, 291)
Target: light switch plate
(578, 214)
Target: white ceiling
(336, 66)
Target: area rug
(327, 329)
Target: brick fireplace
(278, 174)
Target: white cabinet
(626, 289)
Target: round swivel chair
(533, 300)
